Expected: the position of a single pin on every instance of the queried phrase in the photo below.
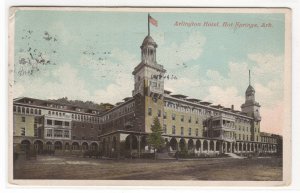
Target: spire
(249, 78)
(148, 24)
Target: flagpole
(148, 25)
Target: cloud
(110, 66)
(224, 96)
(115, 92)
(62, 81)
(183, 52)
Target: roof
(205, 103)
(167, 92)
(178, 96)
(148, 40)
(193, 100)
(127, 98)
(250, 89)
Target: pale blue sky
(217, 58)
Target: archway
(131, 142)
(94, 146)
(25, 145)
(218, 148)
(58, 145)
(85, 146)
(205, 145)
(38, 145)
(173, 144)
(228, 147)
(67, 146)
(240, 147)
(198, 145)
(190, 144)
(211, 145)
(49, 145)
(182, 145)
(75, 146)
(248, 147)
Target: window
(23, 119)
(190, 119)
(31, 111)
(66, 134)
(197, 132)
(239, 136)
(150, 111)
(49, 112)
(190, 131)
(59, 123)
(49, 122)
(15, 109)
(58, 133)
(181, 131)
(197, 121)
(173, 130)
(165, 115)
(35, 111)
(35, 132)
(165, 128)
(173, 116)
(182, 118)
(67, 123)
(49, 133)
(27, 110)
(159, 113)
(247, 138)
(23, 131)
(243, 137)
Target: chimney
(232, 107)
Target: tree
(155, 138)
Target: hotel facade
(121, 129)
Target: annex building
(122, 129)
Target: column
(238, 147)
(225, 147)
(208, 145)
(231, 147)
(201, 148)
(215, 146)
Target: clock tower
(148, 86)
(148, 75)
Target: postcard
(149, 96)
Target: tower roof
(250, 89)
(149, 40)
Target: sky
(91, 55)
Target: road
(60, 167)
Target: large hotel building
(116, 130)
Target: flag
(152, 21)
